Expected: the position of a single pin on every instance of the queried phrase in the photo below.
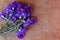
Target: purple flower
(33, 21)
(26, 23)
(17, 11)
(27, 8)
(21, 33)
(15, 6)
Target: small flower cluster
(18, 14)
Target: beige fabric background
(48, 24)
